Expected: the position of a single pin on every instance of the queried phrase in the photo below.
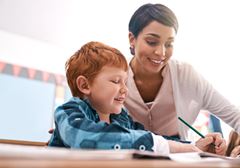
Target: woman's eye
(152, 43)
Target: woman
(160, 88)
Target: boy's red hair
(89, 60)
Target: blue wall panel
(26, 108)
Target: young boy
(95, 118)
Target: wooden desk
(21, 142)
(15, 156)
(23, 163)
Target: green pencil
(201, 135)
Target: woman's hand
(233, 144)
(236, 151)
(213, 143)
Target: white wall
(207, 38)
(32, 53)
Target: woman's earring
(132, 50)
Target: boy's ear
(83, 85)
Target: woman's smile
(155, 61)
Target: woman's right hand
(213, 143)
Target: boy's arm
(76, 130)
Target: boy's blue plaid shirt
(78, 126)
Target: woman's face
(153, 46)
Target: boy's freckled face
(108, 90)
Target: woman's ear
(83, 85)
(131, 39)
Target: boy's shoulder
(77, 105)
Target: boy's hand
(176, 147)
(213, 143)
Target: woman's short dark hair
(152, 12)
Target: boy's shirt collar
(120, 119)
